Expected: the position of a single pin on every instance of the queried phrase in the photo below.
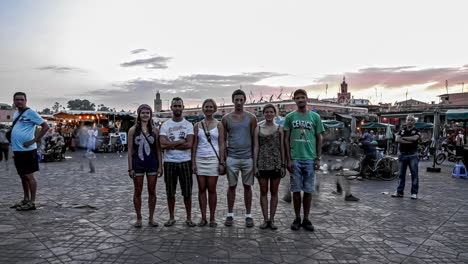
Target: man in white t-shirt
(176, 137)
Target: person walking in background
(24, 148)
(269, 165)
(408, 138)
(207, 152)
(239, 127)
(176, 138)
(144, 157)
(4, 146)
(303, 144)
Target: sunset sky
(120, 53)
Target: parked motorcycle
(447, 152)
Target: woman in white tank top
(208, 150)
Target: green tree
(46, 111)
(102, 107)
(56, 107)
(79, 104)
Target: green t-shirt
(304, 128)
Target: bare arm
(411, 138)
(221, 143)
(131, 132)
(282, 147)
(253, 127)
(158, 152)
(256, 146)
(224, 124)
(42, 132)
(403, 140)
(186, 144)
(287, 148)
(195, 144)
(165, 143)
(44, 129)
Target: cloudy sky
(120, 53)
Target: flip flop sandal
(153, 223)
(202, 223)
(189, 223)
(137, 224)
(170, 222)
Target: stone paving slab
(86, 218)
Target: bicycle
(383, 167)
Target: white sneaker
(414, 196)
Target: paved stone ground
(378, 229)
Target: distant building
(284, 107)
(410, 103)
(353, 101)
(157, 103)
(6, 113)
(343, 95)
(454, 99)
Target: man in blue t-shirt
(23, 142)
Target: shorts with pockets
(234, 166)
(303, 176)
(181, 171)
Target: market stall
(110, 125)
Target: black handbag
(208, 137)
(8, 133)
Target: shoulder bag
(8, 133)
(208, 137)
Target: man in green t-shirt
(303, 139)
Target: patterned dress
(269, 154)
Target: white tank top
(204, 148)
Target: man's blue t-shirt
(24, 130)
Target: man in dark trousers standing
(408, 138)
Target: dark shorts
(269, 174)
(181, 171)
(148, 172)
(26, 162)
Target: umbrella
(333, 123)
(388, 133)
(375, 125)
(435, 139)
(435, 131)
(353, 125)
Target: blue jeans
(412, 161)
(303, 176)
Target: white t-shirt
(176, 131)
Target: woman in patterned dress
(269, 163)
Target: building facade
(6, 113)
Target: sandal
(213, 224)
(189, 223)
(264, 225)
(153, 223)
(19, 204)
(137, 224)
(272, 225)
(170, 222)
(203, 222)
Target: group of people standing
(235, 145)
